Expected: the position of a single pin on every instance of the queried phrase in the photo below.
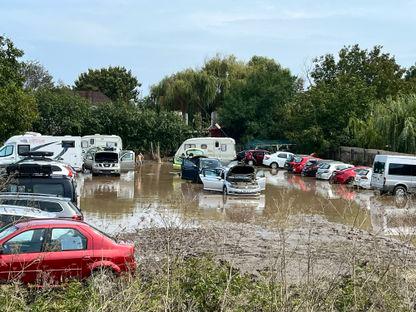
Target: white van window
(402, 169)
(223, 147)
(23, 149)
(379, 167)
(68, 144)
(190, 146)
(111, 144)
(91, 141)
(84, 144)
(204, 146)
(6, 151)
(217, 144)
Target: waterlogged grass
(201, 284)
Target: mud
(308, 247)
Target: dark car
(192, 167)
(38, 179)
(311, 167)
(255, 157)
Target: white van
(394, 174)
(64, 148)
(221, 148)
(102, 141)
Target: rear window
(402, 169)
(379, 167)
(49, 206)
(325, 166)
(362, 172)
(49, 188)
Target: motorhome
(394, 174)
(221, 148)
(101, 141)
(66, 149)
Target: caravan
(64, 148)
(101, 141)
(221, 148)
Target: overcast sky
(157, 38)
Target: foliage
(17, 110)
(35, 76)
(117, 83)
(343, 89)
(62, 112)
(254, 106)
(9, 63)
(391, 125)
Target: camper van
(221, 148)
(64, 148)
(101, 141)
(394, 174)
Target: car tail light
(266, 156)
(77, 217)
(70, 172)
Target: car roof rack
(37, 154)
(29, 169)
(31, 194)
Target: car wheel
(400, 191)
(102, 277)
(274, 165)
(224, 190)
(250, 163)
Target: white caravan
(221, 148)
(102, 141)
(64, 148)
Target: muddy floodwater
(155, 195)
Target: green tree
(254, 106)
(117, 83)
(9, 63)
(35, 76)
(62, 112)
(17, 111)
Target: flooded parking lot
(154, 195)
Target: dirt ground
(308, 247)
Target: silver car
(61, 207)
(10, 214)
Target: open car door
(212, 179)
(127, 161)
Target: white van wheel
(274, 165)
(400, 191)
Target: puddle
(154, 196)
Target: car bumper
(105, 171)
(244, 192)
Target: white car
(363, 178)
(277, 160)
(238, 180)
(326, 170)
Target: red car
(346, 176)
(255, 157)
(56, 250)
(298, 166)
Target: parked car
(35, 178)
(289, 162)
(192, 167)
(394, 174)
(277, 160)
(311, 167)
(326, 170)
(58, 250)
(255, 157)
(190, 152)
(362, 178)
(237, 180)
(297, 167)
(12, 214)
(61, 207)
(347, 175)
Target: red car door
(21, 258)
(67, 254)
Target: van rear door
(379, 168)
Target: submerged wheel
(274, 165)
(400, 191)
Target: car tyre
(102, 277)
(400, 191)
(274, 165)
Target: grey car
(60, 206)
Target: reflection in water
(154, 196)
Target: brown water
(154, 195)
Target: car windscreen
(325, 166)
(106, 157)
(49, 188)
(4, 232)
(209, 163)
(297, 159)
